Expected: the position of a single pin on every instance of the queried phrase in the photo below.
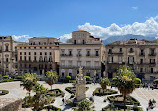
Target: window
(79, 53)
(83, 42)
(40, 53)
(29, 53)
(120, 59)
(131, 50)
(45, 53)
(24, 53)
(141, 61)
(24, 47)
(141, 52)
(88, 53)
(130, 60)
(34, 53)
(34, 47)
(50, 47)
(40, 47)
(7, 48)
(45, 66)
(45, 59)
(50, 59)
(74, 41)
(152, 61)
(120, 49)
(21, 58)
(97, 53)
(50, 53)
(63, 52)
(25, 58)
(110, 51)
(29, 47)
(29, 65)
(152, 70)
(141, 69)
(39, 43)
(7, 60)
(70, 53)
(45, 47)
(78, 63)
(20, 53)
(50, 66)
(29, 58)
(34, 58)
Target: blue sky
(58, 17)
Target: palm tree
(51, 78)
(104, 82)
(28, 81)
(41, 97)
(125, 81)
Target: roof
(43, 38)
(80, 31)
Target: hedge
(72, 90)
(52, 108)
(60, 93)
(8, 80)
(3, 92)
(131, 101)
(100, 92)
(87, 78)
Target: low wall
(10, 104)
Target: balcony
(92, 55)
(131, 51)
(84, 67)
(119, 63)
(115, 52)
(152, 54)
(66, 55)
(78, 55)
(142, 54)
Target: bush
(3, 92)
(138, 81)
(156, 81)
(91, 99)
(87, 78)
(19, 78)
(129, 100)
(89, 82)
(72, 90)
(52, 108)
(72, 96)
(68, 77)
(137, 85)
(100, 92)
(56, 92)
(72, 81)
(5, 77)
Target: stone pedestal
(80, 86)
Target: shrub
(5, 77)
(156, 81)
(138, 81)
(72, 90)
(100, 92)
(68, 77)
(52, 108)
(91, 99)
(3, 92)
(72, 81)
(56, 92)
(19, 78)
(89, 82)
(72, 96)
(87, 78)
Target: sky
(58, 18)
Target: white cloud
(64, 37)
(21, 38)
(147, 28)
(135, 8)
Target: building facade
(82, 50)
(8, 55)
(141, 55)
(39, 56)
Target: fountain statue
(80, 86)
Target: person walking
(63, 100)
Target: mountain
(126, 37)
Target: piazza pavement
(141, 94)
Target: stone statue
(80, 86)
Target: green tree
(51, 77)
(125, 81)
(28, 81)
(104, 82)
(41, 97)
